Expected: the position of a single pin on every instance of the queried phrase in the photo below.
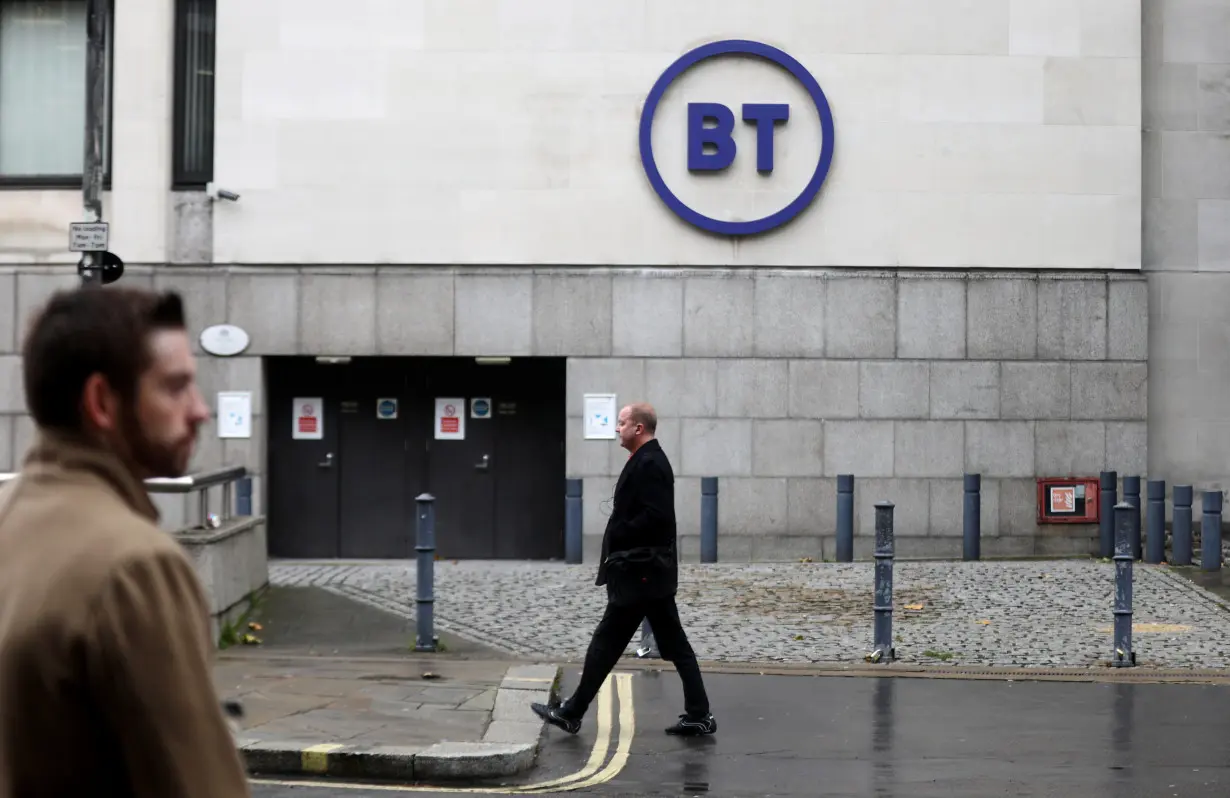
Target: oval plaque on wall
(224, 340)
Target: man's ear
(99, 404)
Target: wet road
(828, 736)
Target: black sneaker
(556, 718)
(693, 727)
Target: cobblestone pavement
(1015, 614)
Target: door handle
(328, 461)
(484, 465)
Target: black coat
(643, 518)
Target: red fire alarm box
(1068, 500)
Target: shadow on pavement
(311, 621)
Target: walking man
(641, 572)
(106, 685)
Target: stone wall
(1187, 238)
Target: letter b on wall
(713, 124)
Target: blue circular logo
(737, 47)
(481, 408)
(388, 407)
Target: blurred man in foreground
(105, 656)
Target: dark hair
(85, 331)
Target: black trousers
(611, 639)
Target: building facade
(456, 221)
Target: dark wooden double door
(351, 494)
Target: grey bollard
(243, 496)
(708, 519)
(1210, 531)
(973, 516)
(1131, 495)
(1123, 657)
(1108, 491)
(572, 521)
(1181, 545)
(1155, 540)
(425, 546)
(648, 646)
(884, 651)
(845, 518)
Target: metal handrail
(205, 479)
(202, 482)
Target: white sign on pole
(309, 418)
(450, 419)
(234, 414)
(600, 416)
(87, 236)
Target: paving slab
(1013, 614)
(408, 719)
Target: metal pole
(708, 519)
(1131, 495)
(227, 507)
(884, 651)
(648, 646)
(95, 117)
(425, 546)
(1155, 540)
(973, 516)
(1124, 656)
(1181, 545)
(1210, 531)
(572, 521)
(845, 518)
(243, 496)
(1109, 489)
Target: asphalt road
(806, 736)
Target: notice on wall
(450, 419)
(234, 414)
(308, 418)
(480, 407)
(1063, 499)
(386, 408)
(600, 416)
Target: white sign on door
(309, 419)
(450, 419)
(600, 416)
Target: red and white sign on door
(309, 421)
(450, 419)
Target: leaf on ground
(913, 606)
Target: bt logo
(710, 135)
(764, 115)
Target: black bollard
(973, 516)
(1123, 657)
(1131, 495)
(1109, 489)
(845, 518)
(1210, 531)
(1155, 540)
(425, 546)
(573, 539)
(708, 519)
(884, 651)
(1181, 545)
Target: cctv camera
(227, 195)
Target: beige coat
(105, 657)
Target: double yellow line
(597, 770)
